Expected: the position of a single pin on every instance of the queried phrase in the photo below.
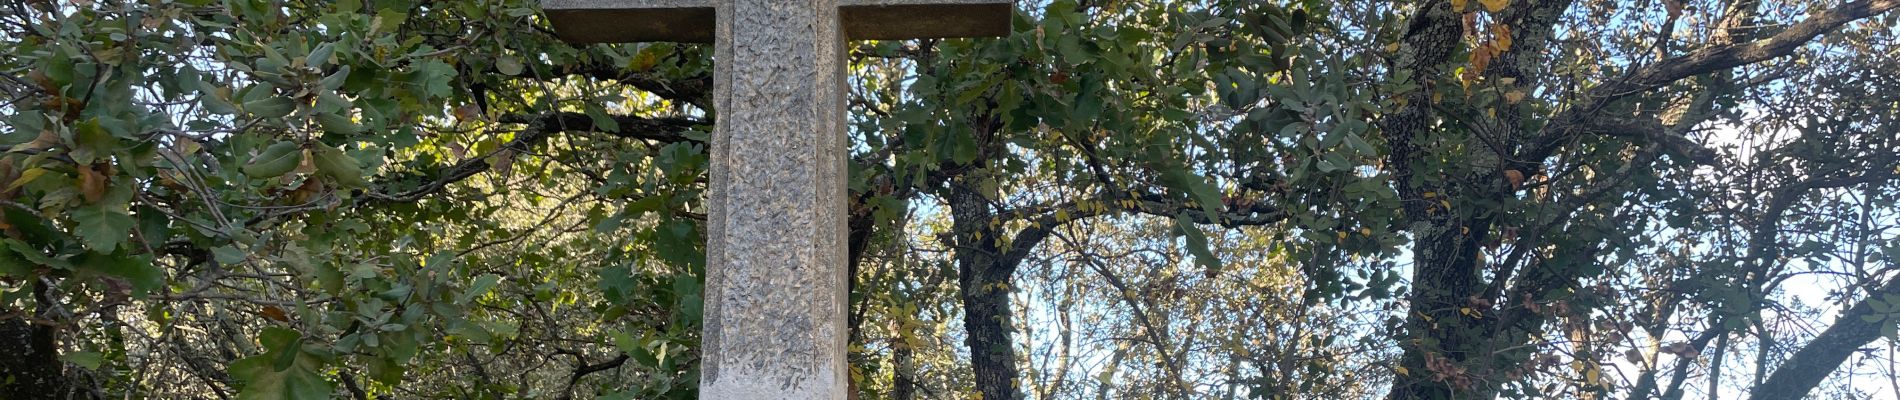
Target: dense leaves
(1134, 199)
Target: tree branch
(1571, 121)
(1794, 378)
(694, 90)
(1654, 131)
(540, 127)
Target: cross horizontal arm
(918, 19)
(692, 21)
(627, 21)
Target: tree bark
(983, 277)
(30, 368)
(903, 383)
(1794, 378)
(1447, 352)
(1440, 275)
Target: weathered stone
(775, 299)
(693, 21)
(776, 242)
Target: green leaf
(636, 349)
(136, 270)
(276, 160)
(337, 124)
(602, 122)
(508, 65)
(333, 163)
(271, 107)
(688, 293)
(85, 359)
(617, 284)
(287, 371)
(1196, 242)
(25, 178)
(228, 254)
(213, 101)
(1360, 145)
(1207, 197)
(320, 55)
(13, 265)
(481, 286)
(330, 278)
(34, 257)
(336, 79)
(435, 77)
(92, 141)
(102, 227)
(964, 147)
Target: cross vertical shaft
(776, 249)
(776, 242)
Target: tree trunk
(903, 385)
(1820, 357)
(987, 318)
(983, 277)
(29, 360)
(1446, 277)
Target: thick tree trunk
(1441, 275)
(986, 317)
(1820, 357)
(1442, 337)
(983, 279)
(29, 362)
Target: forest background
(1121, 199)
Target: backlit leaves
(290, 369)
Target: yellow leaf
(1481, 57)
(46, 140)
(1503, 34)
(1514, 96)
(26, 177)
(1459, 5)
(1402, 371)
(92, 184)
(1493, 5)
(1513, 176)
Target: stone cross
(775, 250)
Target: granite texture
(694, 21)
(776, 238)
(775, 311)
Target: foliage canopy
(1130, 198)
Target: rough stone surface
(776, 242)
(776, 251)
(693, 21)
